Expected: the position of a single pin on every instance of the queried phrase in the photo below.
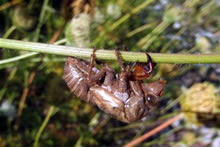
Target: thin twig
(32, 76)
(25, 93)
(33, 73)
(109, 54)
(9, 4)
(56, 35)
(154, 131)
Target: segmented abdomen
(76, 76)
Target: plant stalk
(43, 125)
(102, 54)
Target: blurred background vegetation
(37, 108)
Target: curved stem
(43, 125)
(9, 31)
(108, 54)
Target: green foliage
(152, 26)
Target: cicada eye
(151, 100)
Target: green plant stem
(41, 20)
(123, 19)
(109, 54)
(24, 56)
(43, 125)
(145, 42)
(128, 15)
(14, 59)
(9, 31)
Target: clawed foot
(149, 65)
